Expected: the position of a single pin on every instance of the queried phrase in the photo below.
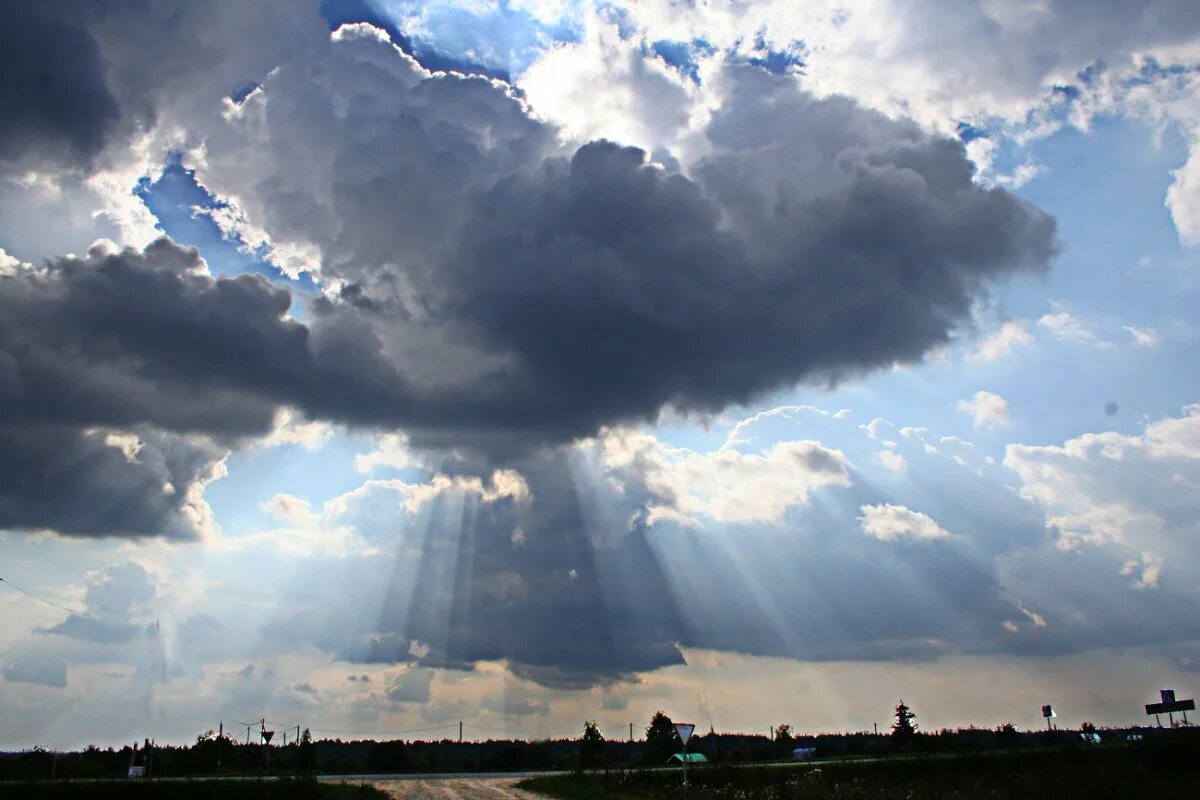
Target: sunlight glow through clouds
(455, 412)
(727, 485)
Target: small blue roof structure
(691, 758)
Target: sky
(373, 365)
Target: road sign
(1048, 712)
(684, 729)
(266, 735)
(1169, 705)
(1172, 707)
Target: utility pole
(266, 740)
(631, 731)
(220, 739)
(460, 731)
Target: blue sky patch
(684, 56)
(174, 199)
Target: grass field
(1100, 773)
(189, 790)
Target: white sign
(684, 729)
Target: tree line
(215, 754)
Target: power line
(44, 600)
(385, 733)
(279, 724)
(447, 726)
(497, 730)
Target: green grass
(188, 790)
(1103, 773)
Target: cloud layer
(498, 290)
(483, 286)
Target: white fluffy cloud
(1068, 328)
(890, 523)
(504, 484)
(726, 485)
(893, 461)
(995, 64)
(607, 86)
(292, 429)
(1146, 569)
(1143, 337)
(1111, 489)
(1183, 198)
(1002, 342)
(986, 408)
(391, 450)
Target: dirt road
(456, 789)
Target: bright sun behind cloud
(378, 366)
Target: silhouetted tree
(591, 746)
(904, 729)
(1088, 727)
(662, 741)
(308, 752)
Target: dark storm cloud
(597, 289)
(80, 78)
(69, 480)
(585, 291)
(57, 108)
(525, 295)
(496, 293)
(117, 339)
(615, 288)
(117, 370)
